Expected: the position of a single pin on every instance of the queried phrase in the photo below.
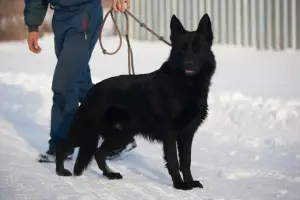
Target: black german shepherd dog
(167, 105)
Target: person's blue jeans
(76, 33)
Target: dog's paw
(183, 186)
(188, 185)
(63, 172)
(77, 172)
(113, 175)
(195, 184)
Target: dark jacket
(35, 10)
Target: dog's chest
(173, 102)
(181, 103)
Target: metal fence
(263, 24)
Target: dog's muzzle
(189, 68)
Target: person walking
(76, 25)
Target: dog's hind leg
(85, 154)
(108, 145)
(62, 148)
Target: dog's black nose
(189, 68)
(188, 63)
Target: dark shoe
(117, 153)
(49, 156)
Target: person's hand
(119, 5)
(32, 41)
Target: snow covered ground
(248, 148)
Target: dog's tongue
(189, 71)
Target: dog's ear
(204, 28)
(176, 26)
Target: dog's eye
(184, 46)
(196, 47)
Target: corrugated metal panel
(264, 24)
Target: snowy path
(248, 149)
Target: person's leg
(72, 78)
(96, 18)
(60, 28)
(86, 82)
(72, 66)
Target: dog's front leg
(172, 164)
(184, 148)
(184, 142)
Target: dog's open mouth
(189, 72)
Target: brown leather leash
(130, 53)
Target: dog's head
(190, 49)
